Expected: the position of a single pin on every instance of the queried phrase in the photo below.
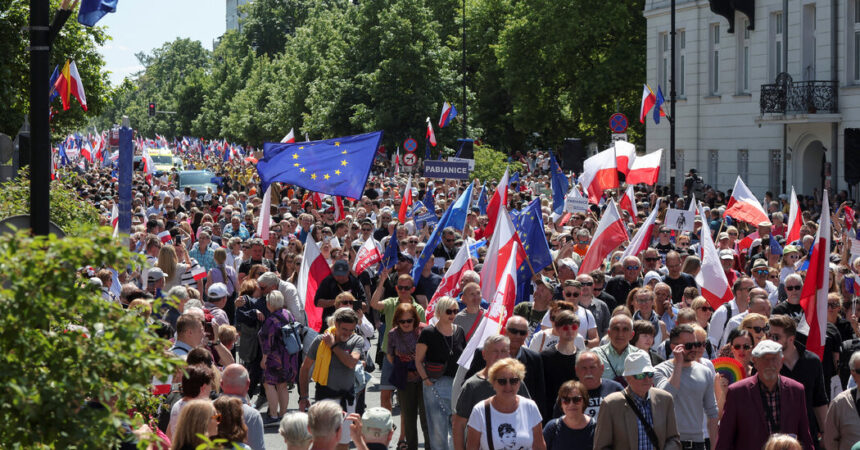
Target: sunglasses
(404, 288)
(405, 321)
(585, 283)
(576, 399)
(632, 267)
(833, 305)
(692, 345)
(513, 381)
(742, 346)
(571, 294)
(518, 331)
(643, 376)
(652, 259)
(595, 288)
(413, 242)
(763, 329)
(347, 302)
(451, 311)
(569, 327)
(761, 272)
(792, 288)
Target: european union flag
(482, 200)
(658, 106)
(392, 252)
(515, 178)
(455, 216)
(337, 166)
(529, 225)
(560, 185)
(92, 11)
(429, 200)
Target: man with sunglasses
(692, 386)
(598, 289)
(791, 306)
(722, 315)
(639, 417)
(759, 304)
(664, 244)
(621, 285)
(760, 271)
(597, 307)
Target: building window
(743, 163)
(714, 59)
(713, 159)
(775, 170)
(682, 59)
(744, 58)
(855, 26)
(663, 76)
(808, 46)
(777, 46)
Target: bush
(68, 211)
(63, 346)
(490, 164)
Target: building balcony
(801, 98)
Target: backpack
(290, 334)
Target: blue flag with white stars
(482, 200)
(560, 185)
(337, 166)
(529, 225)
(392, 252)
(455, 216)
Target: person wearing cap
(216, 301)
(760, 271)
(651, 279)
(727, 259)
(620, 286)
(535, 311)
(764, 404)
(155, 281)
(641, 407)
(842, 425)
(787, 265)
(340, 280)
(377, 428)
(722, 315)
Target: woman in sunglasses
(575, 429)
(756, 325)
(703, 311)
(739, 347)
(402, 340)
(511, 421)
(548, 337)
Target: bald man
(235, 382)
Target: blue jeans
(439, 412)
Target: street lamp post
(40, 142)
(464, 69)
(672, 96)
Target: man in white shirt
(720, 320)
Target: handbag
(435, 370)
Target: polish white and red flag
(114, 220)
(744, 206)
(164, 236)
(795, 219)
(628, 203)
(645, 169)
(813, 298)
(642, 239)
(289, 138)
(339, 212)
(501, 307)
(198, 272)
(711, 277)
(265, 216)
(450, 284)
(599, 173)
(648, 102)
(405, 202)
(625, 153)
(431, 135)
(313, 270)
(498, 202)
(148, 165)
(501, 244)
(610, 233)
(368, 255)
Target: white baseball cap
(637, 363)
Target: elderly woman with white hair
(439, 346)
(279, 366)
(294, 430)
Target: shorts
(387, 369)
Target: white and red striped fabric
(648, 102)
(645, 169)
(744, 206)
(711, 278)
(162, 387)
(498, 202)
(501, 306)
(265, 216)
(405, 201)
(795, 219)
(450, 284)
(164, 236)
(642, 239)
(598, 174)
(339, 211)
(610, 233)
(813, 298)
(198, 272)
(628, 203)
(148, 165)
(368, 255)
(625, 153)
(313, 270)
(501, 243)
(289, 138)
(431, 136)
(114, 220)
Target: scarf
(321, 364)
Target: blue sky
(141, 25)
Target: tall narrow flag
(610, 233)
(431, 136)
(290, 138)
(598, 174)
(645, 169)
(648, 102)
(642, 239)
(265, 216)
(795, 219)
(625, 154)
(813, 298)
(501, 243)
(450, 284)
(658, 105)
(628, 203)
(405, 202)
(744, 206)
(392, 253)
(311, 273)
(530, 228)
(482, 200)
(711, 278)
(448, 112)
(69, 84)
(454, 216)
(560, 185)
(498, 202)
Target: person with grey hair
(269, 282)
(842, 425)
(793, 286)
(621, 285)
(235, 382)
(280, 367)
(294, 430)
(171, 312)
(325, 423)
(613, 353)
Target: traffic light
(152, 109)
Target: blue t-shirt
(559, 436)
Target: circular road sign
(410, 145)
(409, 159)
(618, 123)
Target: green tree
(266, 24)
(62, 346)
(74, 41)
(490, 164)
(68, 211)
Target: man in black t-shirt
(677, 280)
(339, 281)
(791, 306)
(256, 257)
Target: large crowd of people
(615, 358)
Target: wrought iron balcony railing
(802, 97)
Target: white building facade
(766, 89)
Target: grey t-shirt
(476, 389)
(340, 377)
(465, 321)
(693, 400)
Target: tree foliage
(68, 211)
(490, 164)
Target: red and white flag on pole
(367, 256)
(289, 138)
(625, 153)
(114, 220)
(198, 272)
(405, 202)
(744, 206)
(628, 203)
(148, 165)
(795, 219)
(397, 161)
(498, 202)
(642, 239)
(339, 211)
(645, 169)
(501, 243)
(431, 136)
(265, 216)
(711, 277)
(164, 236)
(598, 174)
(610, 233)
(813, 298)
(313, 270)
(648, 102)
(450, 284)
(501, 306)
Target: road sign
(618, 123)
(410, 145)
(409, 159)
(619, 137)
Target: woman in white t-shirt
(514, 422)
(548, 337)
